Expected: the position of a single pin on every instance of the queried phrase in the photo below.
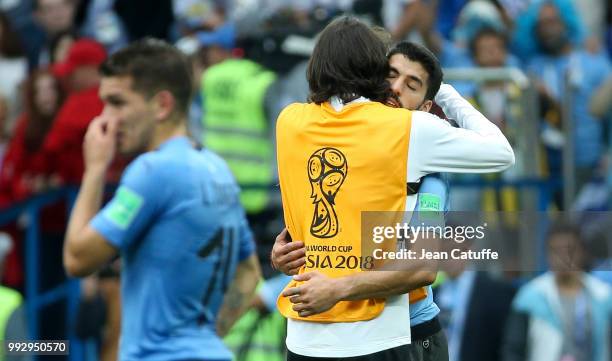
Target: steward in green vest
(259, 335)
(236, 127)
(12, 317)
(10, 300)
(10, 303)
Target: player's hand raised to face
(100, 142)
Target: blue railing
(69, 290)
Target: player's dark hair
(427, 59)
(348, 61)
(154, 66)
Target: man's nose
(396, 86)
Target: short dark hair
(153, 65)
(428, 61)
(348, 61)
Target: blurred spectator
(26, 172)
(600, 105)
(443, 14)
(64, 141)
(60, 44)
(474, 17)
(12, 313)
(4, 138)
(565, 74)
(101, 22)
(145, 18)
(473, 311)
(51, 18)
(55, 16)
(593, 15)
(570, 32)
(200, 15)
(563, 314)
(13, 68)
(25, 169)
(488, 48)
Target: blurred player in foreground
(175, 219)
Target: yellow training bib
(332, 166)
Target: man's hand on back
(287, 256)
(317, 294)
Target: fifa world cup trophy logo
(327, 169)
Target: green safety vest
(10, 300)
(258, 337)
(236, 127)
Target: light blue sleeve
(272, 288)
(134, 206)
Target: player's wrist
(342, 288)
(95, 170)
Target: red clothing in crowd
(20, 167)
(64, 142)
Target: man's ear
(164, 104)
(426, 106)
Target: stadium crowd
(249, 58)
